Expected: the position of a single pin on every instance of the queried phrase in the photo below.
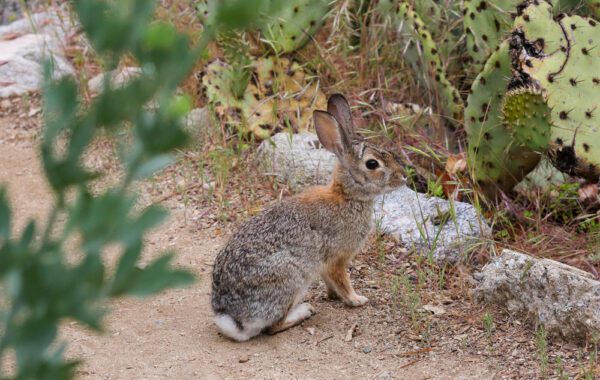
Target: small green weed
(488, 326)
(541, 343)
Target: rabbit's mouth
(395, 185)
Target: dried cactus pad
(560, 55)
(280, 95)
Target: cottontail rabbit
(261, 275)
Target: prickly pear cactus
(486, 23)
(295, 25)
(543, 178)
(527, 117)
(495, 161)
(430, 62)
(202, 10)
(279, 95)
(561, 57)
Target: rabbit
(262, 274)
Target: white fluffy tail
(230, 329)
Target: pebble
(244, 358)
(34, 112)
(366, 349)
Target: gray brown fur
(261, 275)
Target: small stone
(244, 358)
(366, 349)
(34, 112)
(435, 310)
(310, 330)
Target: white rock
(24, 48)
(198, 118)
(296, 159)
(118, 78)
(56, 23)
(433, 226)
(446, 230)
(564, 299)
(21, 63)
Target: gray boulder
(118, 78)
(564, 299)
(432, 226)
(296, 159)
(56, 23)
(447, 231)
(24, 49)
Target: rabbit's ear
(331, 134)
(338, 106)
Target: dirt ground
(172, 335)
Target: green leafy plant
(44, 281)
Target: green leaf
(151, 217)
(153, 165)
(114, 106)
(100, 219)
(65, 172)
(180, 106)
(4, 217)
(114, 27)
(60, 105)
(160, 133)
(241, 14)
(30, 339)
(158, 276)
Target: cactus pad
(486, 22)
(280, 95)
(451, 101)
(543, 178)
(527, 117)
(297, 22)
(496, 162)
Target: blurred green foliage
(41, 284)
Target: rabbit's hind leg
(294, 317)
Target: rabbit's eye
(372, 164)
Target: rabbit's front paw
(357, 300)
